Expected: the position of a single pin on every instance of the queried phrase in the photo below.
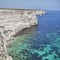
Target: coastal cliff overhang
(13, 21)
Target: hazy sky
(31, 4)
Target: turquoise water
(41, 42)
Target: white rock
(12, 21)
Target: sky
(31, 4)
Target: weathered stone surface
(12, 21)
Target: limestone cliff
(12, 21)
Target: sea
(41, 42)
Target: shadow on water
(26, 31)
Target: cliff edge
(12, 21)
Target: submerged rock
(54, 38)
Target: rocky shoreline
(12, 21)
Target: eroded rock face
(3, 52)
(12, 21)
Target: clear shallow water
(39, 43)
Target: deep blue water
(43, 43)
(48, 27)
(49, 22)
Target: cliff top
(20, 9)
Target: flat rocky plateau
(12, 21)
